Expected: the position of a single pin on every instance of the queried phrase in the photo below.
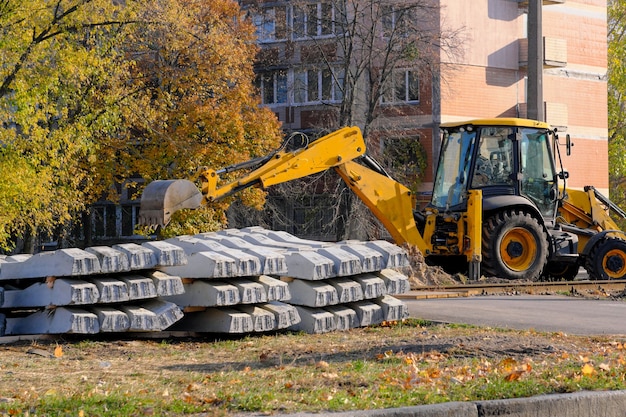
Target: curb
(578, 404)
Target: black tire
(607, 259)
(514, 246)
(561, 271)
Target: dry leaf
(604, 366)
(588, 369)
(507, 364)
(513, 376)
(58, 351)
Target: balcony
(554, 52)
(523, 4)
(555, 114)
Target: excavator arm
(388, 200)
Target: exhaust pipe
(162, 198)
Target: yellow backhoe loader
(499, 204)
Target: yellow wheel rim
(614, 263)
(518, 249)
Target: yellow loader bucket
(162, 198)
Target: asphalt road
(544, 313)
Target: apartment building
(480, 71)
(472, 62)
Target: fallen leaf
(58, 351)
(514, 376)
(604, 366)
(507, 364)
(588, 369)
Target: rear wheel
(514, 246)
(607, 259)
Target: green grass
(405, 364)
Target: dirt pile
(422, 275)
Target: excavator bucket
(162, 198)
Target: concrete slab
(166, 284)
(139, 287)
(250, 292)
(368, 313)
(167, 313)
(232, 241)
(285, 315)
(373, 286)
(111, 260)
(272, 261)
(314, 320)
(262, 240)
(141, 319)
(395, 282)
(54, 321)
(371, 260)
(247, 264)
(166, 253)
(55, 292)
(282, 236)
(262, 320)
(111, 290)
(275, 289)
(309, 265)
(204, 265)
(393, 309)
(58, 263)
(111, 319)
(394, 255)
(345, 317)
(209, 293)
(344, 262)
(312, 293)
(139, 257)
(348, 290)
(216, 320)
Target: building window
(403, 88)
(271, 24)
(304, 21)
(394, 21)
(273, 87)
(315, 86)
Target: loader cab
(509, 160)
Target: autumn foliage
(98, 93)
(193, 68)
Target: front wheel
(607, 259)
(514, 246)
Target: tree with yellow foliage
(56, 70)
(99, 92)
(193, 67)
